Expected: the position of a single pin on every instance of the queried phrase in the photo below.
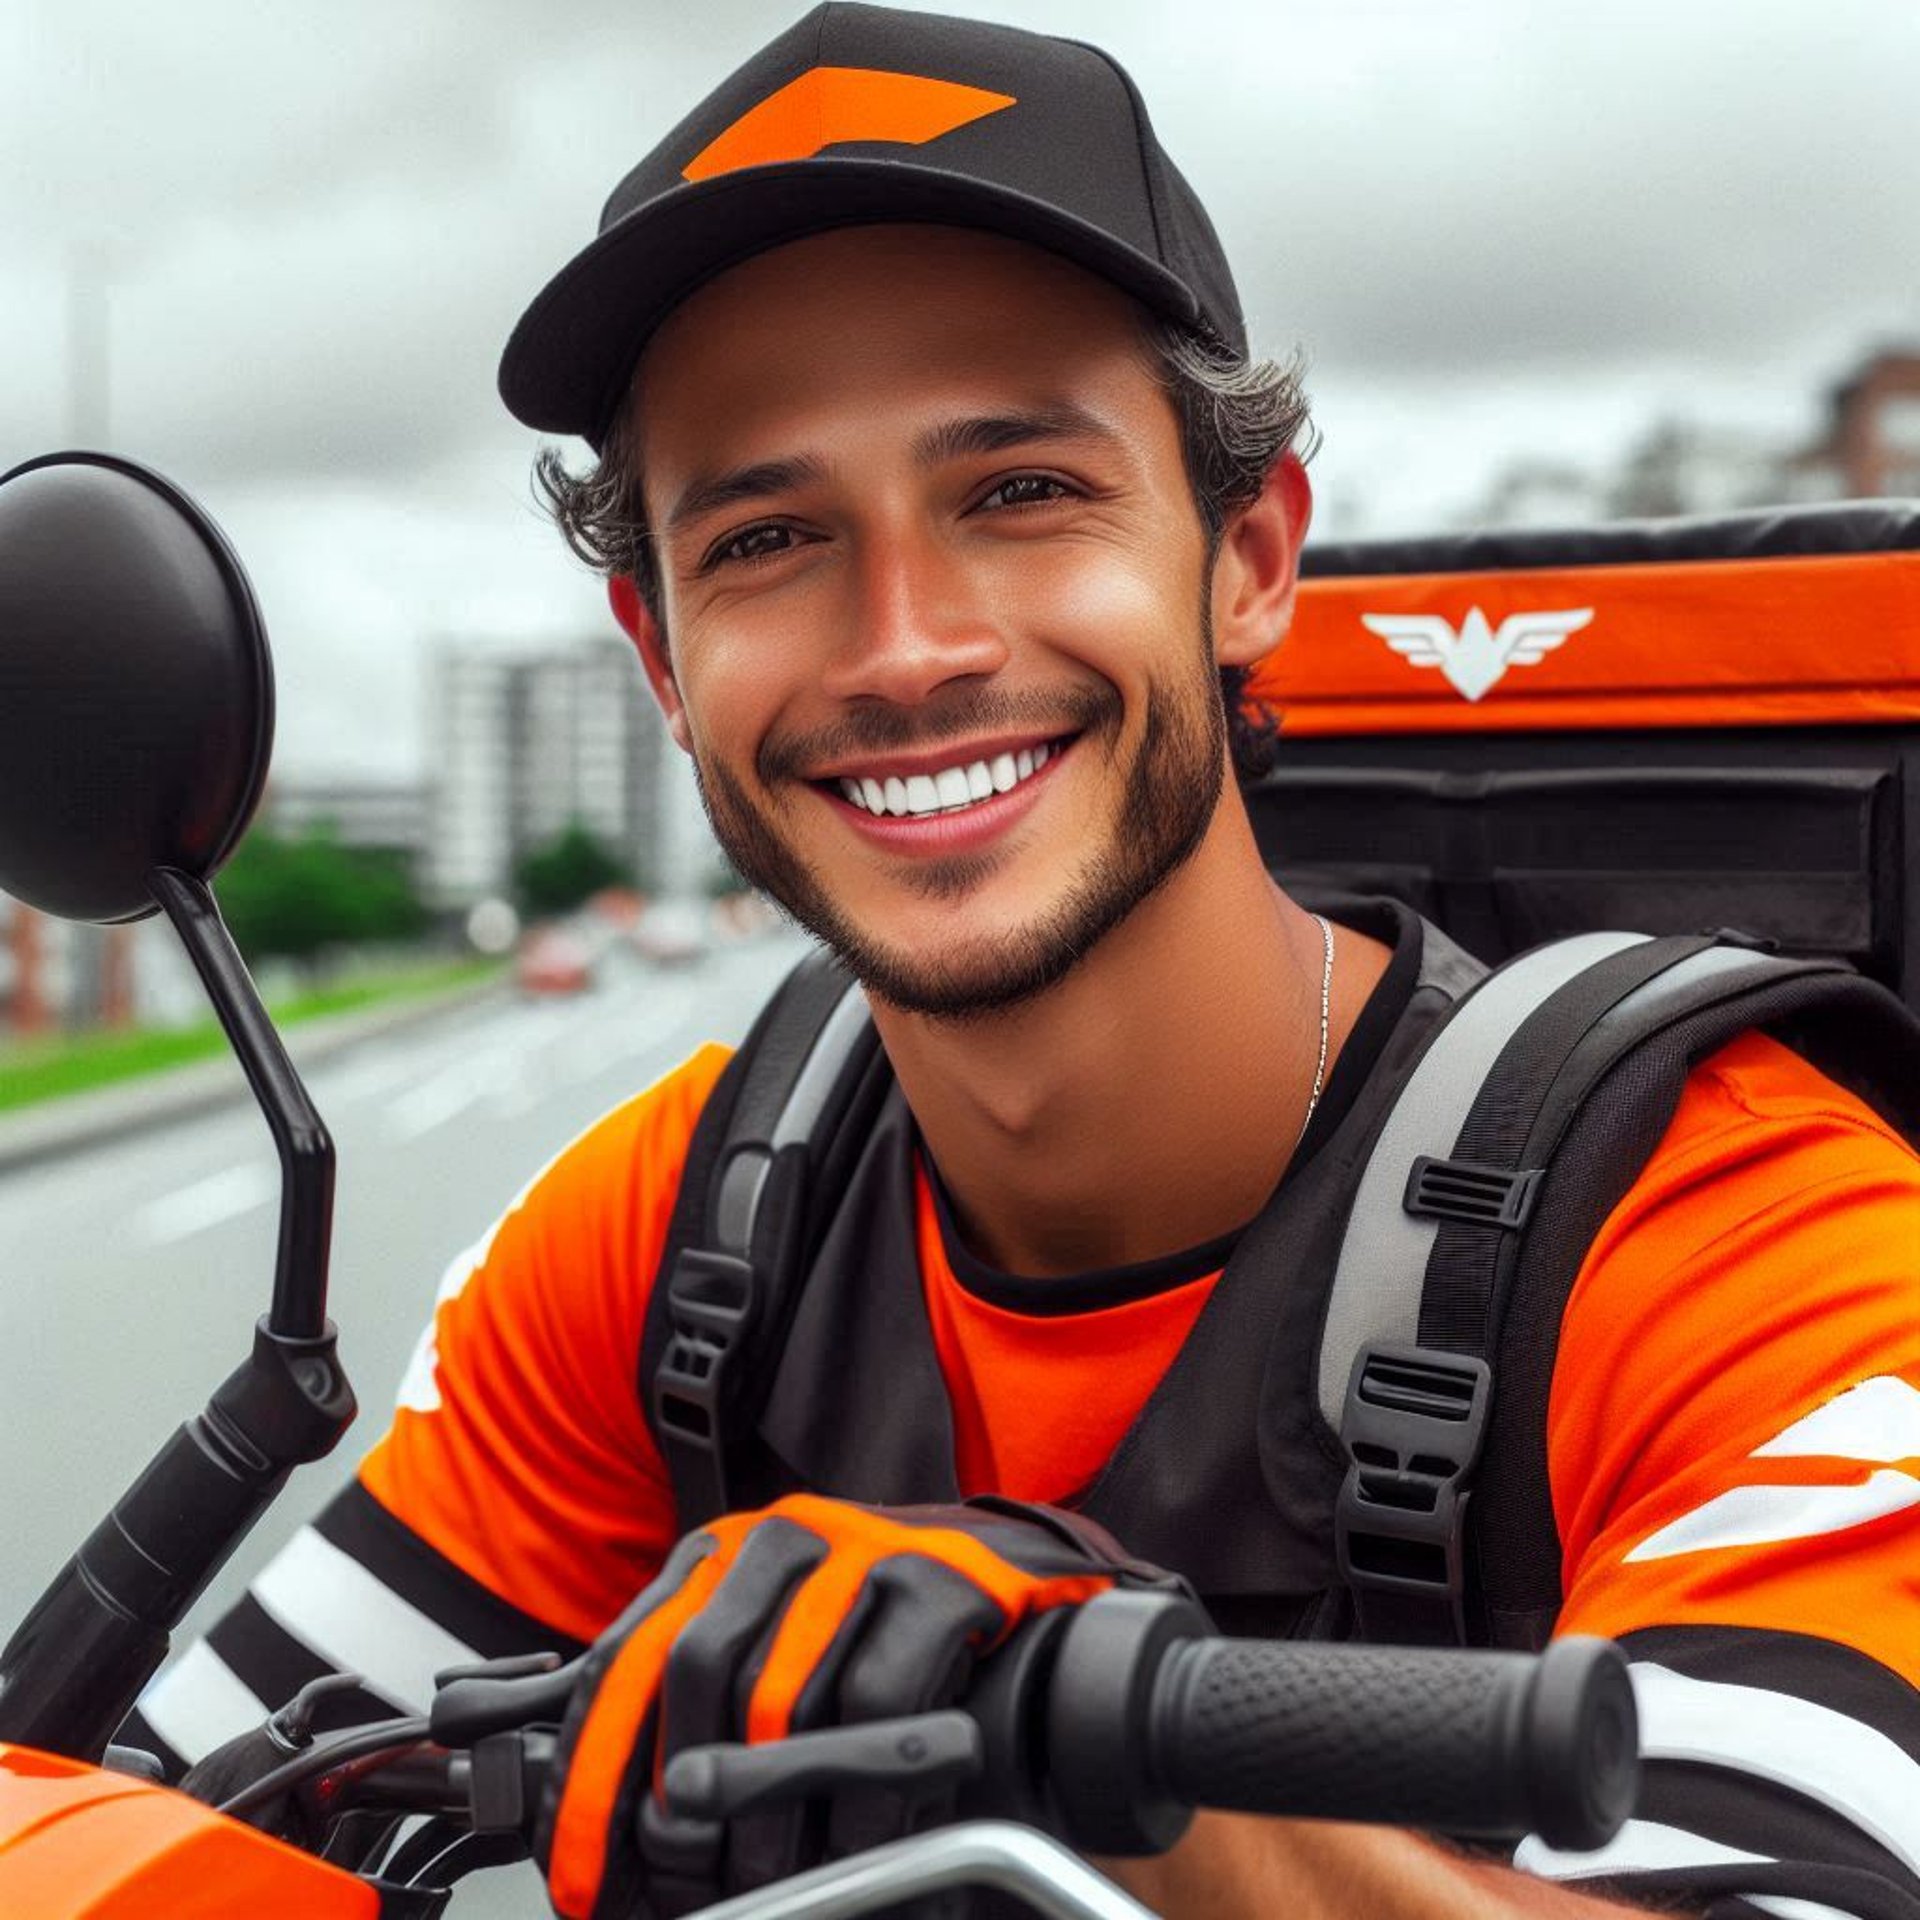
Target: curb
(64, 1125)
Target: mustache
(951, 714)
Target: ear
(644, 631)
(1258, 566)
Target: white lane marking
(590, 1048)
(370, 1075)
(198, 1702)
(207, 1203)
(546, 1047)
(434, 1102)
(489, 1069)
(355, 1622)
(466, 1081)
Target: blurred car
(671, 932)
(554, 961)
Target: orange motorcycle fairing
(79, 1843)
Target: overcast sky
(1498, 229)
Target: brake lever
(495, 1696)
(920, 1755)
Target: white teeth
(948, 791)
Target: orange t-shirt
(1765, 1265)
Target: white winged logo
(1477, 657)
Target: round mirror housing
(136, 690)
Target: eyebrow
(995, 432)
(950, 440)
(729, 489)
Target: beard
(1166, 804)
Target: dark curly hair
(1237, 417)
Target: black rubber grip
(1475, 1744)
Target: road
(131, 1272)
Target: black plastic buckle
(709, 1302)
(1468, 1190)
(1413, 1427)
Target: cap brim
(571, 356)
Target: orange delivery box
(1667, 725)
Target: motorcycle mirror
(136, 691)
(136, 723)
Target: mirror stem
(77, 1662)
(299, 1309)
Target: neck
(1150, 1101)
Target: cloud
(1500, 228)
(313, 226)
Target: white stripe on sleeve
(1853, 1769)
(1645, 1846)
(352, 1620)
(1641, 1846)
(1877, 1420)
(199, 1702)
(1760, 1516)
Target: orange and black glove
(812, 1613)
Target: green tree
(294, 896)
(567, 871)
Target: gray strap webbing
(1381, 1276)
(743, 1179)
(1383, 1261)
(730, 1266)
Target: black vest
(1228, 1473)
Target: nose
(913, 624)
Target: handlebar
(1405, 1736)
(1148, 1716)
(1110, 1724)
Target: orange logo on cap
(829, 105)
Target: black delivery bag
(1664, 726)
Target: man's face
(935, 598)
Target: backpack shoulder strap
(1442, 1213)
(776, 1133)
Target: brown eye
(756, 543)
(1025, 490)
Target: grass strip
(49, 1069)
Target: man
(948, 511)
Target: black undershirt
(1383, 920)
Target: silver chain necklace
(1326, 1024)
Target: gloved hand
(810, 1613)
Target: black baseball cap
(860, 114)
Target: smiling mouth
(953, 789)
